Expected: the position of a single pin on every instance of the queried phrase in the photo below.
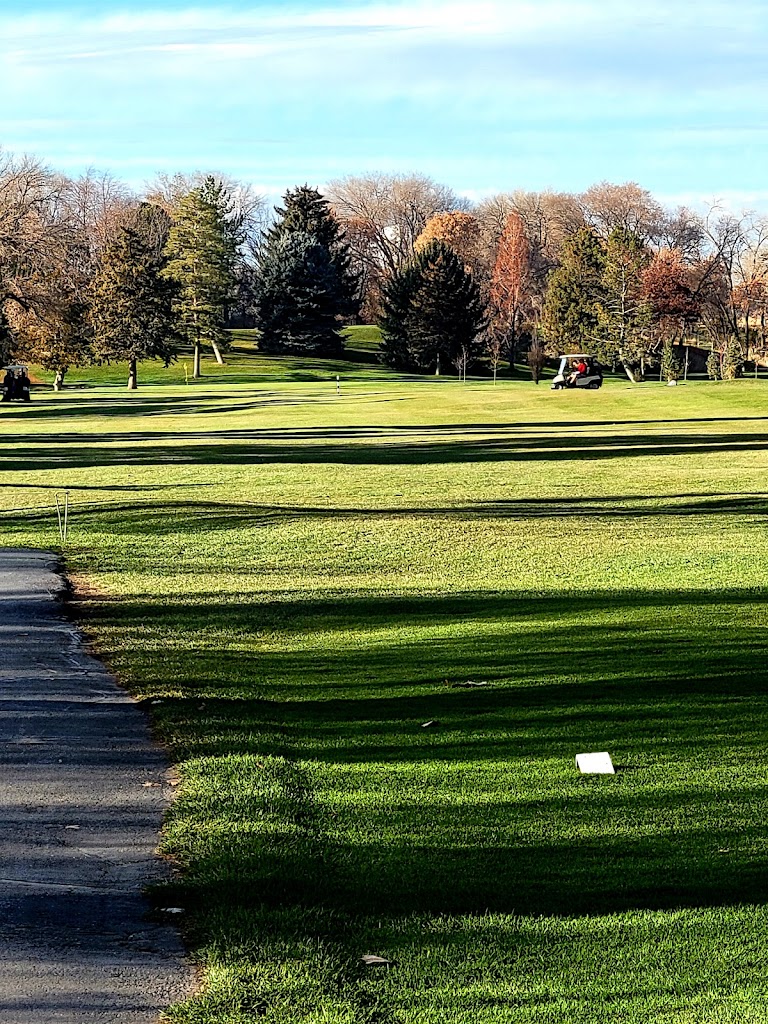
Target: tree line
(92, 273)
(608, 271)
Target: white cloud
(253, 32)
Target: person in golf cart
(579, 370)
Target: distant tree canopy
(609, 270)
(304, 283)
(433, 312)
(459, 230)
(383, 216)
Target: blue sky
(485, 96)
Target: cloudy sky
(485, 96)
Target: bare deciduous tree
(734, 261)
(628, 207)
(31, 198)
(382, 216)
(682, 231)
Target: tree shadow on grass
(124, 450)
(168, 516)
(327, 789)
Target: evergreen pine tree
(203, 254)
(732, 361)
(300, 308)
(574, 293)
(671, 363)
(130, 311)
(306, 210)
(396, 296)
(433, 312)
(447, 313)
(714, 365)
(298, 296)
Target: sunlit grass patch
(305, 580)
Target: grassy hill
(305, 580)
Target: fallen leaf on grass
(426, 725)
(371, 960)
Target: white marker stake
(595, 764)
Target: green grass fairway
(302, 580)
(243, 364)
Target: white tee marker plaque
(595, 764)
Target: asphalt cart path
(82, 793)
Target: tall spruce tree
(299, 308)
(131, 302)
(574, 294)
(396, 295)
(203, 254)
(433, 312)
(309, 211)
(298, 297)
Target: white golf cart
(578, 370)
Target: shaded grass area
(243, 447)
(304, 582)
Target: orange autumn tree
(459, 231)
(512, 303)
(667, 286)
